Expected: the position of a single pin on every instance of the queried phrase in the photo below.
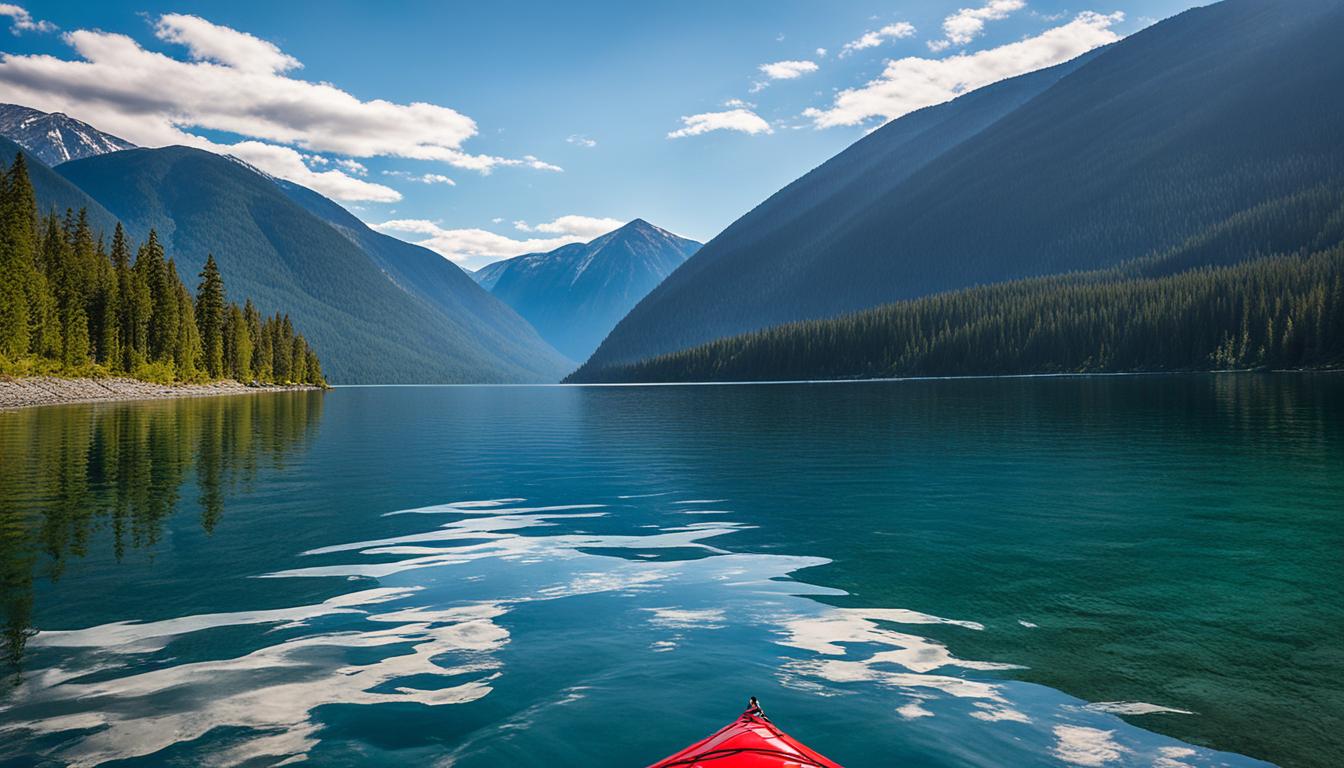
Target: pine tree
(253, 319)
(164, 314)
(132, 302)
(264, 358)
(186, 352)
(210, 309)
(24, 298)
(65, 298)
(106, 311)
(239, 365)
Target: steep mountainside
(440, 282)
(366, 327)
(55, 192)
(1199, 306)
(576, 293)
(1146, 143)
(54, 137)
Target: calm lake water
(1076, 571)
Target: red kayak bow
(752, 741)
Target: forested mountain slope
(576, 293)
(368, 328)
(1264, 288)
(1149, 142)
(443, 284)
(54, 192)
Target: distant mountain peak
(574, 294)
(55, 137)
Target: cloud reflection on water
(117, 693)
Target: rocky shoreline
(30, 391)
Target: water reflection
(1031, 573)
(438, 632)
(76, 478)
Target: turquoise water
(1075, 571)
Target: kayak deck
(751, 741)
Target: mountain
(1200, 306)
(54, 192)
(1129, 151)
(368, 323)
(54, 137)
(575, 294)
(441, 283)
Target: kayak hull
(751, 741)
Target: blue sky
(534, 123)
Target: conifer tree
(263, 359)
(210, 311)
(164, 313)
(105, 311)
(65, 298)
(239, 366)
(186, 351)
(132, 305)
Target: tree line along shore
(74, 307)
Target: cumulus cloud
(586, 227)
(474, 248)
(422, 178)
(874, 38)
(210, 42)
(287, 163)
(582, 141)
(788, 70)
(353, 166)
(743, 120)
(235, 83)
(913, 83)
(20, 20)
(967, 24)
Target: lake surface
(1073, 571)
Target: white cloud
(21, 21)
(235, 83)
(874, 38)
(287, 163)
(210, 42)
(422, 178)
(788, 70)
(967, 24)
(913, 83)
(582, 141)
(353, 166)
(738, 103)
(474, 248)
(586, 227)
(821, 53)
(743, 120)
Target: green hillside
(1200, 306)
(368, 328)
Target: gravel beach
(48, 390)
